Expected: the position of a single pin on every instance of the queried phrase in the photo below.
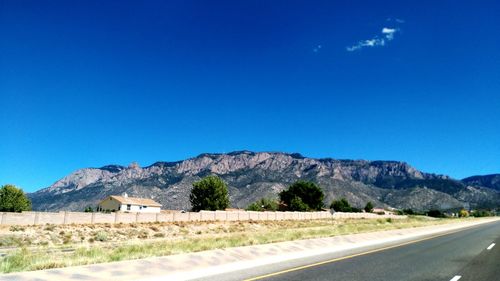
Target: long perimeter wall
(37, 218)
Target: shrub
(409, 212)
(341, 205)
(435, 214)
(297, 205)
(67, 238)
(50, 227)
(481, 213)
(143, 234)
(463, 213)
(17, 228)
(263, 204)
(369, 207)
(101, 236)
(159, 235)
(355, 210)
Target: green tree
(305, 196)
(369, 207)
(481, 213)
(435, 213)
(209, 193)
(463, 213)
(409, 212)
(298, 205)
(13, 199)
(341, 205)
(89, 209)
(264, 204)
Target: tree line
(210, 193)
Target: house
(382, 211)
(124, 203)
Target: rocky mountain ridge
(252, 175)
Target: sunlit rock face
(253, 175)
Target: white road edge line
(491, 246)
(456, 278)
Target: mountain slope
(251, 175)
(490, 181)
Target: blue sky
(90, 83)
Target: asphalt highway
(469, 254)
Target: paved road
(462, 255)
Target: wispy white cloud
(387, 34)
(317, 48)
(395, 20)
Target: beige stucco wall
(146, 217)
(165, 217)
(207, 215)
(104, 218)
(51, 218)
(19, 218)
(78, 217)
(125, 217)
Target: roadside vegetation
(52, 246)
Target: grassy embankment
(107, 243)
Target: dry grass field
(27, 248)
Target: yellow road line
(353, 256)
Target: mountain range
(253, 175)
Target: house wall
(114, 205)
(110, 204)
(138, 209)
